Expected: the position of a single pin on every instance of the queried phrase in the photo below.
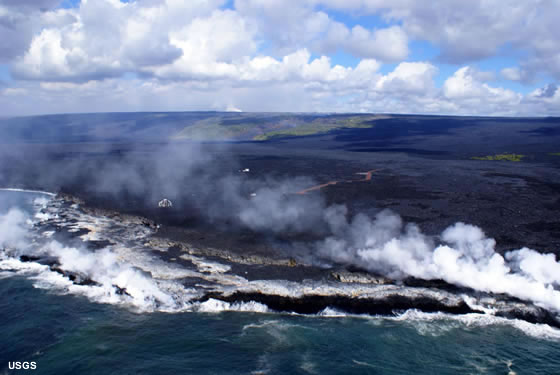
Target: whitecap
(214, 306)
(540, 331)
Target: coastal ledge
(312, 290)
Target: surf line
(29, 191)
(367, 177)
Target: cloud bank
(255, 55)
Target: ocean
(65, 329)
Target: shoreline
(29, 191)
(229, 278)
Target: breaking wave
(51, 246)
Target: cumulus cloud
(19, 21)
(295, 83)
(409, 77)
(544, 100)
(390, 44)
(107, 38)
(467, 31)
(31, 4)
(516, 74)
(209, 47)
(466, 89)
(219, 56)
(546, 92)
(289, 25)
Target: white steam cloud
(463, 255)
(109, 276)
(201, 180)
(466, 257)
(109, 272)
(12, 230)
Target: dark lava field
(422, 168)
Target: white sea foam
(42, 216)
(263, 365)
(307, 365)
(126, 275)
(147, 283)
(214, 306)
(6, 274)
(281, 332)
(29, 191)
(204, 265)
(147, 294)
(330, 312)
(476, 305)
(439, 320)
(41, 202)
(437, 324)
(365, 364)
(114, 279)
(15, 265)
(262, 324)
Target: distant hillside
(359, 132)
(97, 127)
(156, 127)
(261, 127)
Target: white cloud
(466, 84)
(105, 38)
(550, 92)
(468, 31)
(465, 89)
(295, 83)
(209, 47)
(390, 44)
(260, 50)
(291, 25)
(512, 74)
(30, 4)
(14, 91)
(409, 77)
(543, 101)
(17, 26)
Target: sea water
(64, 333)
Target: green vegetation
(211, 130)
(319, 126)
(262, 127)
(507, 157)
(554, 153)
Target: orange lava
(367, 177)
(317, 187)
(369, 173)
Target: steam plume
(189, 173)
(465, 257)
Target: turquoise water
(68, 334)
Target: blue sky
(5, 73)
(423, 50)
(485, 57)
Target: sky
(452, 57)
